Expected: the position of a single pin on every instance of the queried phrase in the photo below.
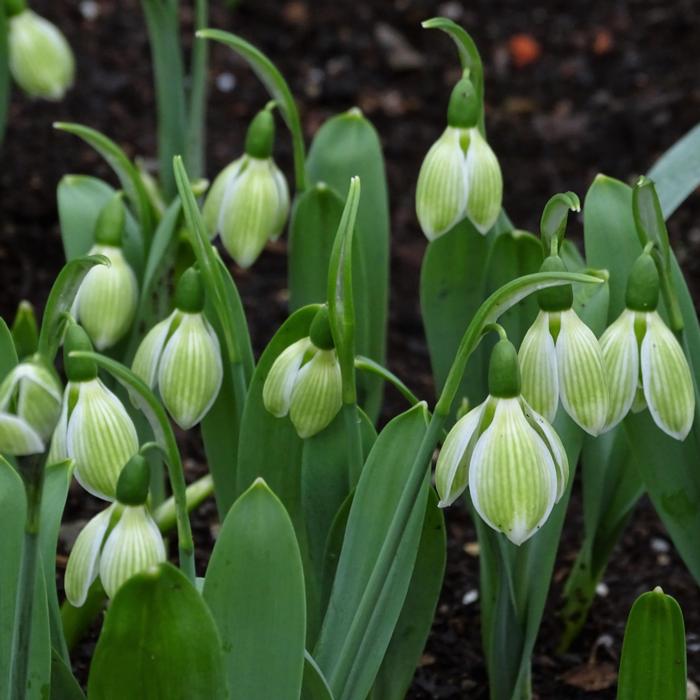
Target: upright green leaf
(63, 683)
(255, 589)
(125, 170)
(346, 146)
(158, 641)
(653, 663)
(314, 686)
(8, 354)
(354, 638)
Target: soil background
(572, 89)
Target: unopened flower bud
(510, 457)
(107, 300)
(644, 362)
(248, 203)
(134, 481)
(181, 356)
(41, 61)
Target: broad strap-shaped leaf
(277, 87)
(64, 686)
(80, 199)
(344, 147)
(159, 640)
(356, 631)
(314, 686)
(255, 589)
(125, 170)
(413, 626)
(653, 663)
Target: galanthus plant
(329, 559)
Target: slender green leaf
(8, 354)
(255, 589)
(277, 87)
(126, 172)
(163, 22)
(344, 147)
(158, 641)
(63, 683)
(60, 301)
(653, 663)
(413, 626)
(25, 330)
(353, 640)
(314, 686)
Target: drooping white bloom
(513, 462)
(134, 545)
(107, 300)
(560, 359)
(41, 60)
(645, 364)
(309, 389)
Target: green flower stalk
(181, 356)
(460, 176)
(94, 428)
(106, 302)
(248, 203)
(133, 545)
(560, 359)
(305, 381)
(30, 404)
(644, 362)
(41, 60)
(510, 456)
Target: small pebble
(659, 545)
(472, 549)
(663, 560)
(470, 597)
(225, 82)
(90, 10)
(602, 589)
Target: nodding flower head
(107, 300)
(181, 356)
(510, 457)
(460, 176)
(133, 544)
(644, 362)
(30, 404)
(305, 381)
(248, 203)
(561, 359)
(94, 429)
(41, 60)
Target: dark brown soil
(573, 88)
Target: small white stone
(225, 82)
(90, 10)
(602, 589)
(470, 597)
(659, 545)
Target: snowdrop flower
(305, 381)
(248, 203)
(460, 176)
(106, 302)
(560, 359)
(94, 429)
(510, 457)
(41, 60)
(644, 363)
(181, 356)
(133, 545)
(30, 403)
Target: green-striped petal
(17, 437)
(39, 399)
(190, 372)
(581, 375)
(441, 192)
(452, 469)
(211, 210)
(58, 452)
(317, 394)
(538, 368)
(84, 558)
(512, 478)
(147, 357)
(250, 212)
(135, 544)
(484, 183)
(666, 378)
(279, 383)
(101, 438)
(107, 299)
(621, 363)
